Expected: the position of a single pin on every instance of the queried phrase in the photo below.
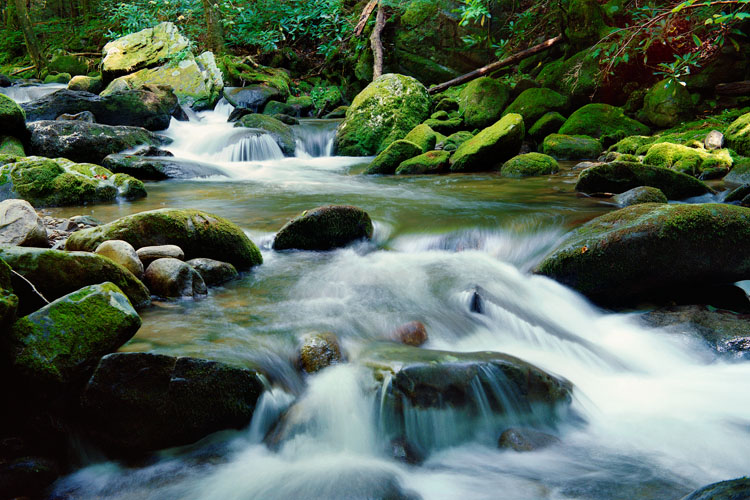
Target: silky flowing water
(654, 415)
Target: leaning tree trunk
(32, 43)
(377, 43)
(214, 29)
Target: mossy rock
(279, 108)
(737, 135)
(621, 176)
(534, 103)
(529, 165)
(431, 162)
(571, 147)
(667, 103)
(8, 300)
(641, 194)
(64, 63)
(56, 273)
(583, 21)
(319, 351)
(12, 118)
(197, 233)
(388, 161)
(482, 101)
(740, 173)
(633, 145)
(692, 161)
(384, 112)
(62, 342)
(549, 123)
(128, 187)
(324, 228)
(280, 131)
(63, 78)
(602, 121)
(632, 254)
(490, 147)
(454, 141)
(446, 126)
(423, 136)
(144, 49)
(86, 84)
(304, 104)
(11, 146)
(241, 72)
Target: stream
(654, 415)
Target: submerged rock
(214, 272)
(172, 278)
(528, 165)
(490, 147)
(324, 228)
(638, 195)
(140, 402)
(160, 168)
(638, 252)
(413, 333)
(197, 233)
(122, 253)
(21, 225)
(318, 351)
(520, 439)
(482, 101)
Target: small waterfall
(31, 92)
(223, 108)
(315, 138)
(256, 147)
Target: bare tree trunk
(214, 29)
(377, 44)
(32, 43)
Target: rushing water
(654, 415)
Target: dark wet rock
(86, 142)
(153, 151)
(644, 250)
(734, 489)
(490, 147)
(56, 273)
(738, 194)
(324, 228)
(318, 351)
(150, 254)
(158, 168)
(641, 194)
(413, 333)
(197, 233)
(60, 343)
(404, 451)
(83, 116)
(27, 477)
(253, 97)
(139, 402)
(521, 439)
(8, 299)
(172, 278)
(5, 81)
(21, 225)
(214, 272)
(122, 253)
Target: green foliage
(130, 17)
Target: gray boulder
(150, 254)
(21, 225)
(122, 253)
(172, 278)
(214, 272)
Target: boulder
(604, 122)
(482, 101)
(90, 84)
(144, 49)
(737, 135)
(149, 107)
(490, 147)
(150, 254)
(56, 273)
(172, 278)
(431, 162)
(413, 333)
(123, 253)
(734, 489)
(520, 439)
(571, 147)
(197, 233)
(667, 104)
(253, 97)
(60, 343)
(549, 123)
(423, 136)
(61, 78)
(150, 168)
(445, 126)
(12, 118)
(278, 108)
(304, 105)
(65, 63)
(20, 225)
(583, 21)
(714, 140)
(86, 142)
(324, 228)
(128, 188)
(454, 141)
(534, 103)
(621, 176)
(281, 132)
(528, 165)
(641, 251)
(692, 161)
(638, 195)
(214, 272)
(385, 111)
(8, 300)
(11, 146)
(388, 161)
(141, 402)
(83, 116)
(318, 351)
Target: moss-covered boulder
(144, 49)
(197, 233)
(142, 402)
(548, 124)
(278, 108)
(62, 78)
(637, 252)
(446, 126)
(454, 141)
(304, 105)
(734, 489)
(604, 122)
(11, 146)
(431, 162)
(738, 135)
(324, 228)
(12, 118)
(86, 84)
(385, 111)
(621, 176)
(583, 21)
(8, 300)
(243, 72)
(423, 136)
(62, 342)
(633, 145)
(529, 165)
(280, 131)
(66, 63)
(740, 173)
(388, 161)
(577, 77)
(571, 147)
(667, 103)
(641, 194)
(490, 147)
(534, 103)
(482, 101)
(693, 161)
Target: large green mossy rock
(737, 135)
(641, 251)
(56, 273)
(576, 77)
(423, 136)
(280, 131)
(197, 233)
(144, 49)
(66, 63)
(532, 104)
(61, 342)
(12, 118)
(388, 161)
(667, 103)
(583, 21)
(621, 176)
(324, 228)
(140, 402)
(571, 147)
(8, 300)
(11, 146)
(548, 124)
(693, 161)
(244, 72)
(490, 147)
(734, 489)
(431, 162)
(641, 194)
(529, 165)
(385, 111)
(61, 78)
(482, 101)
(90, 84)
(602, 121)
(454, 141)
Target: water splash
(28, 93)
(315, 138)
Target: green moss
(11, 146)
(641, 194)
(431, 162)
(128, 187)
(445, 126)
(423, 136)
(548, 124)
(86, 84)
(482, 102)
(239, 72)
(583, 21)
(490, 147)
(388, 161)
(602, 120)
(528, 165)
(632, 145)
(324, 228)
(667, 103)
(12, 118)
(532, 104)
(146, 48)
(73, 65)
(737, 135)
(8, 301)
(58, 78)
(281, 132)
(690, 160)
(454, 141)
(551, 74)
(279, 108)
(571, 147)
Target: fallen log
(519, 56)
(365, 16)
(734, 88)
(19, 71)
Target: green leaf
(697, 41)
